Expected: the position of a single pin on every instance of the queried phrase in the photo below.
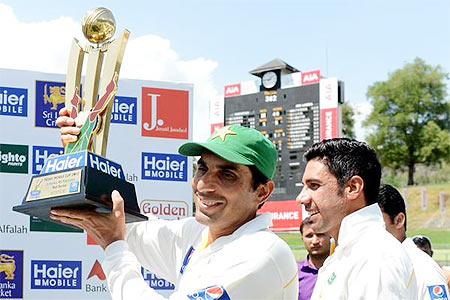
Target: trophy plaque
(82, 178)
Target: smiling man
(225, 252)
(341, 182)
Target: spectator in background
(318, 246)
(424, 244)
(431, 281)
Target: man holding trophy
(226, 252)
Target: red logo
(310, 77)
(329, 127)
(286, 215)
(97, 271)
(232, 90)
(165, 113)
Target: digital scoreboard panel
(290, 118)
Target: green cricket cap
(240, 145)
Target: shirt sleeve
(157, 245)
(123, 273)
(270, 275)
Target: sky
(211, 43)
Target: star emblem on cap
(223, 132)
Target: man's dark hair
(258, 178)
(423, 243)
(306, 221)
(346, 158)
(391, 202)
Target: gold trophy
(82, 178)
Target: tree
(410, 117)
(348, 120)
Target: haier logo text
(81, 159)
(165, 113)
(124, 110)
(40, 155)
(53, 274)
(13, 101)
(163, 166)
(50, 98)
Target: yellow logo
(223, 132)
(57, 95)
(7, 265)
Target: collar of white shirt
(358, 222)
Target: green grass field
(431, 222)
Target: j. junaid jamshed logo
(165, 113)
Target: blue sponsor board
(13, 101)
(155, 282)
(41, 154)
(50, 98)
(164, 166)
(124, 110)
(56, 274)
(11, 274)
(82, 159)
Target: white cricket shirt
(431, 281)
(251, 263)
(368, 262)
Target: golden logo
(7, 265)
(56, 96)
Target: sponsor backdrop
(150, 120)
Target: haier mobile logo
(124, 110)
(155, 282)
(40, 155)
(13, 101)
(11, 274)
(53, 274)
(165, 113)
(164, 166)
(13, 158)
(50, 98)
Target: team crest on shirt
(211, 293)
(437, 292)
(331, 278)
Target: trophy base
(80, 188)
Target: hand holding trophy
(82, 178)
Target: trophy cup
(82, 178)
